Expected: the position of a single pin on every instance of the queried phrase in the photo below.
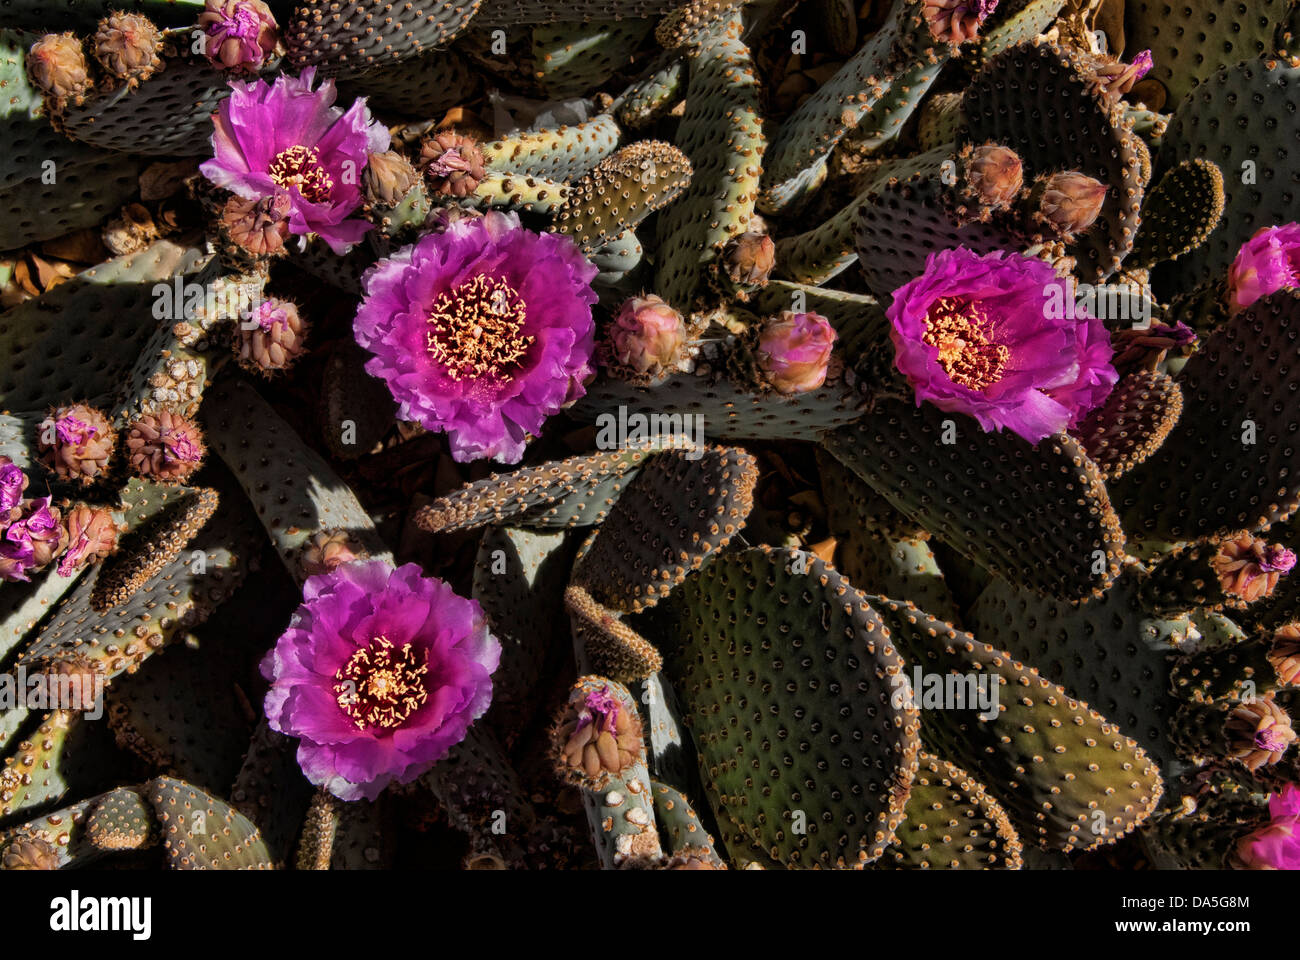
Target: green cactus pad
(1239, 119)
(721, 132)
(621, 191)
(1214, 675)
(607, 645)
(79, 340)
(1132, 423)
(951, 823)
(1112, 652)
(121, 820)
(1040, 100)
(352, 37)
(1179, 214)
(653, 95)
(1036, 515)
(681, 825)
(1204, 482)
(423, 86)
(1189, 42)
(356, 409)
(1068, 778)
(802, 749)
(561, 153)
(1015, 22)
(572, 492)
(200, 832)
(572, 59)
(682, 507)
(519, 581)
(511, 13)
(36, 773)
(505, 191)
(295, 492)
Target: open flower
(483, 331)
(380, 673)
(1275, 846)
(286, 139)
(1267, 262)
(31, 538)
(979, 335)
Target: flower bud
(749, 258)
(996, 174)
(127, 46)
(57, 66)
(388, 178)
(1071, 202)
(794, 351)
(646, 336)
(1267, 262)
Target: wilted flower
(165, 447)
(380, 673)
(956, 21)
(1249, 568)
(127, 46)
(748, 259)
(482, 331)
(32, 538)
(271, 336)
(91, 535)
(12, 484)
(1258, 733)
(452, 164)
(76, 442)
(595, 737)
(975, 335)
(1267, 262)
(239, 33)
(794, 351)
(996, 174)
(1275, 846)
(1116, 78)
(646, 337)
(285, 139)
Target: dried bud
(595, 737)
(1258, 733)
(749, 258)
(388, 178)
(57, 67)
(1144, 348)
(956, 21)
(241, 34)
(440, 218)
(1071, 202)
(258, 226)
(1249, 569)
(76, 442)
(646, 338)
(452, 164)
(1284, 655)
(329, 549)
(130, 231)
(166, 447)
(271, 337)
(29, 853)
(794, 351)
(91, 535)
(127, 46)
(996, 175)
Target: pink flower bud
(794, 351)
(1267, 262)
(646, 336)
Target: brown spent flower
(259, 226)
(127, 46)
(29, 853)
(1285, 654)
(166, 447)
(749, 259)
(996, 174)
(328, 549)
(1248, 568)
(76, 442)
(92, 536)
(57, 66)
(388, 178)
(1258, 733)
(452, 164)
(595, 737)
(271, 337)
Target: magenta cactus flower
(1267, 262)
(1275, 846)
(978, 335)
(482, 331)
(12, 484)
(794, 351)
(288, 140)
(379, 674)
(239, 34)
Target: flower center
(244, 24)
(179, 448)
(381, 685)
(960, 331)
(301, 167)
(477, 329)
(71, 430)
